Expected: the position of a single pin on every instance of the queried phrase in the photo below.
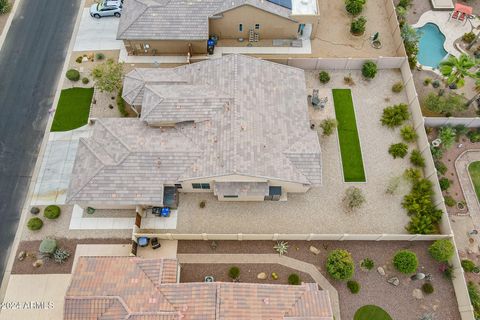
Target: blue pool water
(431, 50)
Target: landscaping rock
(314, 250)
(85, 59)
(394, 281)
(262, 276)
(38, 263)
(21, 255)
(417, 294)
(381, 271)
(34, 210)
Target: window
(178, 186)
(204, 186)
(257, 26)
(240, 27)
(230, 196)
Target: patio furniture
(461, 12)
(155, 243)
(314, 99)
(143, 241)
(209, 279)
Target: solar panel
(283, 3)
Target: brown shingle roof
(132, 288)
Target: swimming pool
(430, 48)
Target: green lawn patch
(72, 109)
(371, 312)
(350, 150)
(474, 170)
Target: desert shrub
(202, 204)
(234, 272)
(468, 265)
(392, 185)
(121, 104)
(441, 250)
(444, 183)
(353, 286)
(405, 261)
(357, 26)
(408, 134)
(324, 77)
(441, 167)
(348, 80)
(412, 174)
(405, 3)
(60, 255)
(460, 130)
(447, 135)
(367, 264)
(52, 212)
(474, 136)
(34, 224)
(79, 59)
(437, 153)
(445, 104)
(294, 279)
(73, 75)
(369, 69)
(417, 159)
(5, 6)
(449, 201)
(354, 7)
(328, 126)
(398, 150)
(395, 116)
(99, 56)
(474, 298)
(468, 37)
(85, 80)
(427, 288)
(397, 87)
(340, 264)
(422, 224)
(427, 81)
(47, 246)
(354, 198)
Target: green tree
(340, 265)
(442, 250)
(405, 261)
(5, 6)
(108, 76)
(447, 134)
(410, 38)
(445, 104)
(457, 69)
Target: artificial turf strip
(72, 109)
(474, 171)
(350, 150)
(371, 312)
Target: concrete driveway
(97, 34)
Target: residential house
(172, 27)
(134, 288)
(235, 126)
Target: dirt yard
(398, 301)
(49, 266)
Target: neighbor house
(235, 126)
(134, 288)
(172, 27)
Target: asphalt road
(31, 61)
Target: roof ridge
(250, 3)
(145, 114)
(120, 33)
(115, 136)
(302, 294)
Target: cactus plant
(281, 247)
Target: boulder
(38, 263)
(394, 281)
(34, 210)
(417, 294)
(262, 276)
(314, 250)
(381, 271)
(21, 255)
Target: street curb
(3, 36)
(38, 164)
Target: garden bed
(49, 266)
(397, 301)
(352, 162)
(474, 171)
(193, 272)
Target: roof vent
(266, 301)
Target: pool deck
(452, 29)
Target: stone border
(269, 259)
(461, 172)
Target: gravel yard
(319, 210)
(49, 266)
(398, 301)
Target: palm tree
(456, 69)
(477, 91)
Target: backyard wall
(452, 121)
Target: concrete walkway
(268, 258)
(461, 167)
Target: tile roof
(236, 115)
(179, 19)
(121, 288)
